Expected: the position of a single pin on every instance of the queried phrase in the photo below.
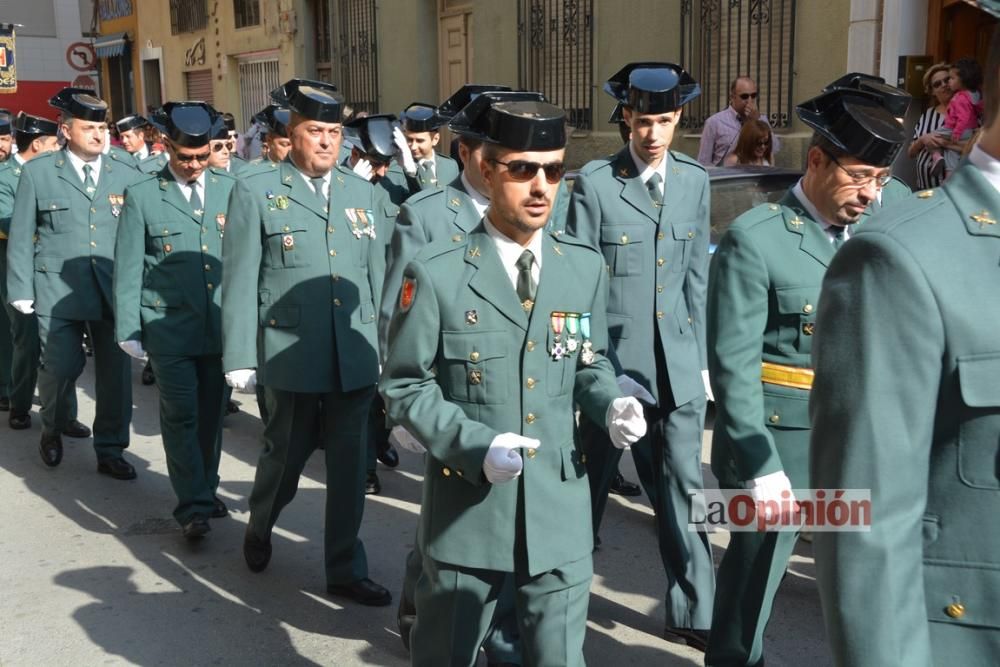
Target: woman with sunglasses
(753, 147)
(924, 142)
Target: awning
(111, 46)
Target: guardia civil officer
(421, 125)
(275, 144)
(168, 298)
(374, 141)
(6, 348)
(6, 136)
(647, 209)
(132, 132)
(496, 337)
(763, 297)
(304, 268)
(35, 136)
(60, 262)
(906, 403)
(441, 214)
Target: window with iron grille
(188, 15)
(324, 45)
(114, 9)
(356, 51)
(724, 39)
(555, 54)
(247, 13)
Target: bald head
(743, 97)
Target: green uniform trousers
(296, 424)
(62, 362)
(752, 568)
(668, 462)
(6, 329)
(456, 606)
(503, 638)
(191, 409)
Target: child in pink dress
(964, 115)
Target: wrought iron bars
(357, 54)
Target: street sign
(81, 56)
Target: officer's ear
(435, 138)
(816, 159)
(487, 169)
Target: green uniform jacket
(153, 164)
(445, 171)
(906, 402)
(763, 294)
(168, 267)
(10, 174)
(466, 364)
(301, 286)
(69, 269)
(658, 262)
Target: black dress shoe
(4, 403)
(116, 467)
(147, 375)
(406, 616)
(196, 527)
(373, 487)
(363, 591)
(51, 449)
(219, 509)
(256, 551)
(388, 456)
(696, 639)
(232, 408)
(76, 429)
(19, 422)
(623, 487)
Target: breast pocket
(286, 242)
(796, 308)
(473, 367)
(561, 373)
(979, 426)
(622, 248)
(684, 234)
(163, 239)
(55, 214)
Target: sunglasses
(228, 145)
(940, 82)
(187, 159)
(523, 171)
(747, 96)
(764, 142)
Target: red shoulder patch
(407, 293)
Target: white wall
(44, 58)
(904, 33)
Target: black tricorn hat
(523, 125)
(230, 121)
(80, 103)
(130, 123)
(461, 98)
(856, 122)
(652, 87)
(896, 100)
(316, 100)
(188, 124)
(276, 119)
(420, 117)
(25, 123)
(4, 122)
(467, 122)
(372, 135)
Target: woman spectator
(925, 142)
(753, 146)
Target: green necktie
(426, 170)
(653, 185)
(195, 200)
(318, 182)
(88, 180)
(526, 285)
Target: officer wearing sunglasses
(722, 130)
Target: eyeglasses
(187, 159)
(523, 171)
(228, 145)
(940, 82)
(863, 179)
(764, 142)
(747, 96)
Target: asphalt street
(95, 571)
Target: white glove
(630, 387)
(243, 380)
(23, 306)
(402, 438)
(364, 169)
(405, 156)
(768, 490)
(503, 463)
(708, 386)
(625, 421)
(133, 348)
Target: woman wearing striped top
(924, 140)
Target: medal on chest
(587, 351)
(557, 321)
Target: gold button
(93, 244)
(659, 289)
(955, 610)
(285, 228)
(273, 322)
(659, 236)
(531, 453)
(53, 207)
(329, 230)
(204, 248)
(689, 320)
(203, 230)
(624, 238)
(774, 419)
(446, 472)
(208, 267)
(530, 418)
(210, 286)
(583, 458)
(531, 346)
(458, 472)
(659, 314)
(474, 356)
(93, 210)
(166, 231)
(690, 235)
(335, 277)
(808, 308)
(336, 302)
(530, 382)
(456, 238)
(333, 253)
(93, 226)
(661, 261)
(156, 303)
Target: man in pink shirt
(718, 137)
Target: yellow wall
(128, 24)
(408, 60)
